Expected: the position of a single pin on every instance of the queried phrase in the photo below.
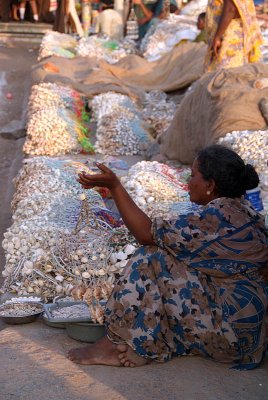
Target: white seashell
(102, 256)
(129, 249)
(48, 268)
(123, 263)
(82, 197)
(59, 289)
(121, 255)
(79, 252)
(113, 258)
(102, 272)
(113, 268)
(84, 260)
(28, 265)
(59, 278)
(86, 275)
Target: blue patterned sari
(199, 290)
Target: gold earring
(208, 192)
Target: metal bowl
(24, 318)
(85, 331)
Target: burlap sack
(218, 103)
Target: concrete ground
(33, 356)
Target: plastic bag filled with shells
(59, 44)
(162, 37)
(155, 187)
(103, 48)
(52, 95)
(194, 8)
(57, 121)
(158, 112)
(120, 127)
(252, 146)
(53, 247)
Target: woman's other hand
(216, 45)
(105, 179)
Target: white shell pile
(162, 37)
(120, 128)
(53, 126)
(155, 187)
(56, 43)
(102, 48)
(252, 146)
(35, 243)
(194, 8)
(158, 112)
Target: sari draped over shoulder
(199, 290)
(241, 40)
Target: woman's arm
(135, 219)
(229, 12)
(147, 13)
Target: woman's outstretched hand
(135, 219)
(104, 179)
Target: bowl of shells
(20, 313)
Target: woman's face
(200, 191)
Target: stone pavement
(34, 367)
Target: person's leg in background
(5, 10)
(33, 7)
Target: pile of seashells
(56, 43)
(162, 37)
(194, 8)
(158, 112)
(156, 187)
(120, 127)
(58, 240)
(55, 124)
(102, 48)
(99, 47)
(252, 146)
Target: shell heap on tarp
(57, 121)
(98, 47)
(163, 36)
(252, 146)
(120, 127)
(61, 236)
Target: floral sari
(199, 290)
(241, 40)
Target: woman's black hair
(231, 175)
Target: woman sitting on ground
(195, 285)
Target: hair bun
(250, 177)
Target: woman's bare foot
(103, 352)
(129, 358)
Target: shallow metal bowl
(24, 319)
(85, 331)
